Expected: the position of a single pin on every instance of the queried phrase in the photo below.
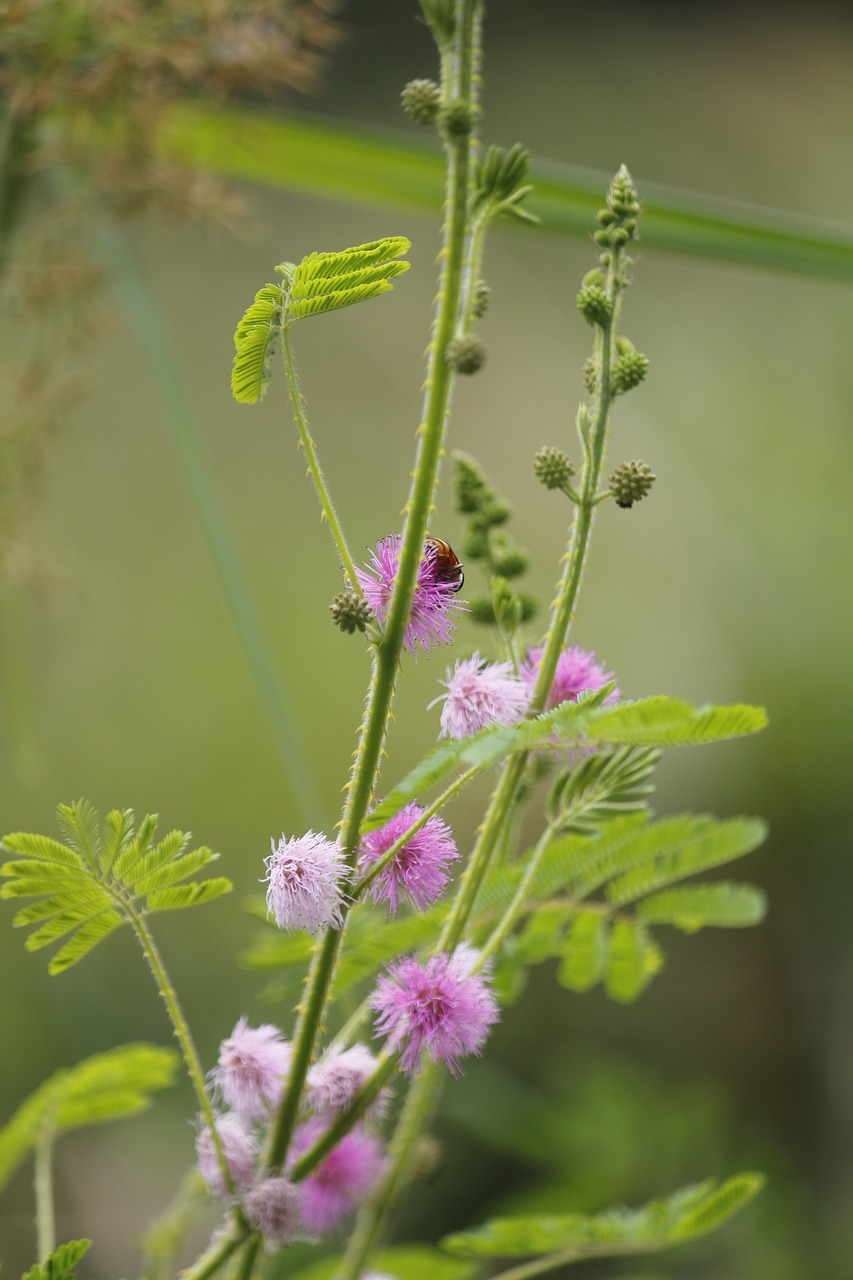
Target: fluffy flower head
(274, 1207)
(434, 604)
(334, 1082)
(441, 1007)
(240, 1148)
(480, 693)
(418, 870)
(340, 1181)
(305, 875)
(253, 1062)
(577, 672)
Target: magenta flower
(334, 1081)
(418, 870)
(305, 875)
(434, 604)
(240, 1148)
(577, 672)
(274, 1207)
(480, 693)
(253, 1062)
(441, 1007)
(342, 1180)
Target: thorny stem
(387, 657)
(416, 1114)
(328, 512)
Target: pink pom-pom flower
(577, 672)
(240, 1148)
(274, 1207)
(334, 1081)
(418, 871)
(480, 693)
(305, 876)
(432, 618)
(342, 1180)
(441, 1007)
(253, 1062)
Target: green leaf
(328, 281)
(669, 722)
(364, 166)
(633, 959)
(108, 1086)
(255, 341)
(723, 903)
(690, 1212)
(677, 848)
(120, 874)
(60, 1264)
(585, 951)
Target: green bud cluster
(485, 541)
(466, 354)
(482, 297)
(590, 380)
(594, 304)
(350, 612)
(630, 482)
(483, 610)
(630, 366)
(456, 120)
(421, 100)
(617, 224)
(552, 468)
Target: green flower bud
(495, 511)
(590, 375)
(594, 278)
(350, 612)
(510, 561)
(456, 120)
(529, 605)
(622, 195)
(466, 355)
(475, 545)
(630, 482)
(552, 468)
(482, 611)
(421, 100)
(594, 304)
(604, 217)
(629, 370)
(482, 296)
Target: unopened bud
(510, 561)
(590, 377)
(350, 612)
(467, 354)
(421, 100)
(552, 468)
(482, 297)
(456, 120)
(629, 370)
(630, 482)
(594, 304)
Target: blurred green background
(730, 583)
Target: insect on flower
(447, 566)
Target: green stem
(346, 1121)
(247, 1262)
(182, 1033)
(371, 1222)
(43, 1183)
(327, 508)
(214, 1257)
(142, 312)
(516, 906)
(387, 658)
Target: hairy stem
(306, 440)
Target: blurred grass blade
(371, 167)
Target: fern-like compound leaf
(108, 1086)
(107, 875)
(690, 1212)
(60, 1264)
(328, 281)
(256, 340)
(692, 907)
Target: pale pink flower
(305, 876)
(342, 1180)
(441, 1007)
(335, 1080)
(274, 1207)
(418, 871)
(240, 1148)
(577, 672)
(480, 693)
(434, 605)
(253, 1062)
